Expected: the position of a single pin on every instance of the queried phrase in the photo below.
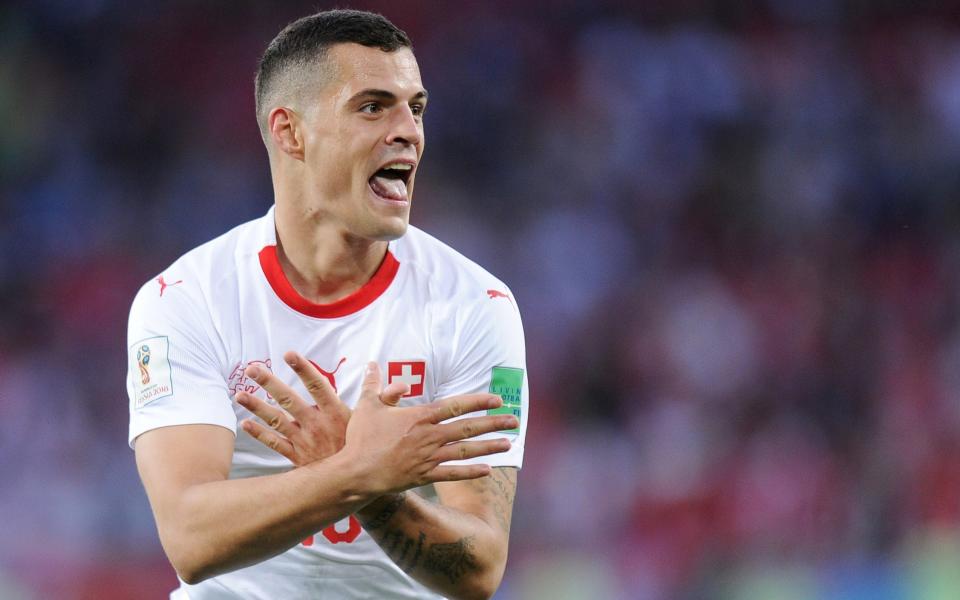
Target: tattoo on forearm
(401, 548)
(499, 487)
(502, 517)
(452, 560)
(384, 516)
(415, 559)
(391, 539)
(505, 482)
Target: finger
(457, 473)
(465, 450)
(319, 387)
(370, 389)
(448, 408)
(269, 438)
(474, 426)
(271, 415)
(392, 393)
(281, 392)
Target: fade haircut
(304, 43)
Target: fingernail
(253, 371)
(292, 362)
(509, 422)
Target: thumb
(370, 390)
(392, 393)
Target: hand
(400, 448)
(305, 432)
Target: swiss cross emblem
(410, 372)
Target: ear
(285, 131)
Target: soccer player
(372, 488)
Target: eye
(371, 108)
(418, 109)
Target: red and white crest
(410, 372)
(239, 382)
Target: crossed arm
(361, 463)
(209, 524)
(457, 547)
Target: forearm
(450, 551)
(220, 526)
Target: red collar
(361, 298)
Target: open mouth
(390, 182)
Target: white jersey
(429, 317)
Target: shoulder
(450, 276)
(474, 313)
(183, 291)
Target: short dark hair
(307, 39)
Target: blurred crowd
(732, 230)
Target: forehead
(357, 67)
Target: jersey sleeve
(175, 370)
(484, 352)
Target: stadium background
(733, 230)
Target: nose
(405, 127)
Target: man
(319, 299)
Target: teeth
(399, 166)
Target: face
(363, 139)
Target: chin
(388, 232)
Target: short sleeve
(483, 351)
(175, 371)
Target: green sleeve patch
(507, 383)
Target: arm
(209, 525)
(479, 346)
(458, 547)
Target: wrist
(354, 478)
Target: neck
(321, 261)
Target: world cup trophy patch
(143, 363)
(153, 378)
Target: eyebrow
(385, 95)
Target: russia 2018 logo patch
(150, 370)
